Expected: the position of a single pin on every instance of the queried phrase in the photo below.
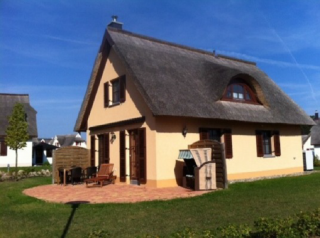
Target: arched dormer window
(239, 91)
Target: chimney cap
(114, 23)
(114, 18)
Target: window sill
(240, 101)
(269, 156)
(114, 104)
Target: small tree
(17, 131)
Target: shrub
(24, 173)
(316, 161)
(99, 234)
(234, 231)
(46, 164)
(269, 228)
(308, 224)
(186, 233)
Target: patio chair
(91, 172)
(104, 174)
(75, 174)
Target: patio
(112, 193)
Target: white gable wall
(307, 145)
(24, 157)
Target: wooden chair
(90, 172)
(105, 173)
(76, 174)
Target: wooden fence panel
(66, 157)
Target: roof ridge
(236, 59)
(217, 56)
(14, 94)
(162, 41)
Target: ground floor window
(217, 135)
(3, 147)
(268, 143)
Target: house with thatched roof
(147, 99)
(315, 139)
(7, 156)
(312, 140)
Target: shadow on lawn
(74, 206)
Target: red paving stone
(112, 193)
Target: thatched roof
(304, 138)
(315, 134)
(7, 102)
(175, 80)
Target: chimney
(316, 115)
(114, 23)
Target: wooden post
(223, 158)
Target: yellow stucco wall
(133, 107)
(164, 137)
(244, 165)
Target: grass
(23, 216)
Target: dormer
(243, 89)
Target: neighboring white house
(315, 138)
(43, 148)
(7, 156)
(69, 140)
(312, 141)
(42, 151)
(306, 143)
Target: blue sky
(47, 48)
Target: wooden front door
(138, 156)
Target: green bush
(99, 234)
(234, 231)
(269, 228)
(186, 233)
(308, 224)
(46, 164)
(302, 225)
(316, 161)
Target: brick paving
(112, 193)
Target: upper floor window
(117, 89)
(239, 91)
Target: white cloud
(269, 61)
(69, 40)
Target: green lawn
(23, 216)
